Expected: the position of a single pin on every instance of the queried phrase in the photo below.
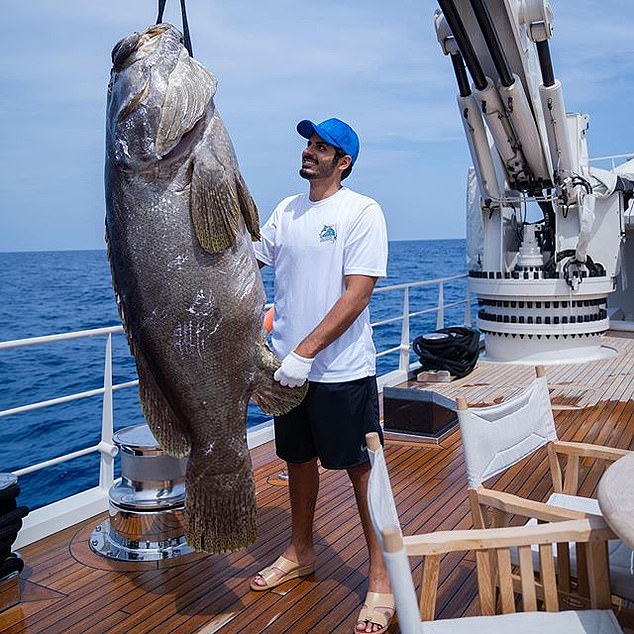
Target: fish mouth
(125, 51)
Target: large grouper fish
(179, 226)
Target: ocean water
(44, 293)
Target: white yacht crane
(542, 285)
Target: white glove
(294, 370)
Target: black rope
(454, 349)
(161, 8)
(188, 41)
(10, 524)
(186, 36)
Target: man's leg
(303, 486)
(378, 580)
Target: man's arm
(296, 365)
(356, 296)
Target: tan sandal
(289, 569)
(374, 608)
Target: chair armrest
(516, 505)
(441, 542)
(586, 450)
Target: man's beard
(321, 172)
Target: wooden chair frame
(496, 543)
(492, 548)
(492, 508)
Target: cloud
(376, 64)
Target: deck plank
(69, 589)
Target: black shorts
(330, 423)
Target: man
(328, 248)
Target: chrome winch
(146, 506)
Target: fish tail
(220, 507)
(273, 398)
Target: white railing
(76, 508)
(405, 317)
(614, 159)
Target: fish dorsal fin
(219, 196)
(190, 88)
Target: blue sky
(375, 63)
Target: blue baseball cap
(335, 132)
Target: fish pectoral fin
(248, 208)
(273, 398)
(215, 204)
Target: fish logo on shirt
(328, 233)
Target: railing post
(467, 308)
(403, 362)
(107, 450)
(440, 315)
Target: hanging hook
(186, 37)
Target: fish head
(157, 96)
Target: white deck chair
(416, 617)
(497, 437)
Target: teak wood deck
(67, 589)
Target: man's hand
(294, 370)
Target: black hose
(461, 74)
(492, 41)
(464, 43)
(545, 63)
(454, 349)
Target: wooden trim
(372, 441)
(598, 575)
(486, 583)
(571, 479)
(555, 468)
(586, 450)
(516, 505)
(392, 539)
(505, 579)
(527, 578)
(549, 581)
(429, 587)
(477, 510)
(563, 566)
(441, 542)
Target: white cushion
(575, 503)
(569, 622)
(498, 436)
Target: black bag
(454, 349)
